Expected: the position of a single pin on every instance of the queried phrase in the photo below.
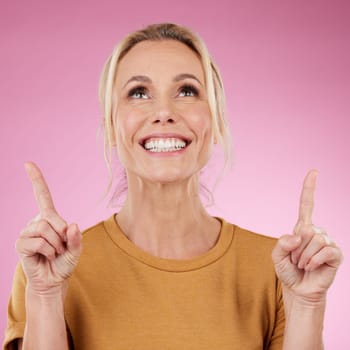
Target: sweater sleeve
(16, 311)
(276, 342)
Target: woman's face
(163, 131)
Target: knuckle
(34, 219)
(320, 239)
(305, 233)
(29, 229)
(47, 213)
(281, 267)
(42, 225)
(41, 244)
(282, 241)
(317, 229)
(56, 221)
(18, 244)
(62, 227)
(315, 260)
(24, 231)
(308, 234)
(331, 253)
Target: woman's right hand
(49, 249)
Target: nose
(165, 113)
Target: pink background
(285, 66)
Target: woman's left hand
(306, 262)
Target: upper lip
(165, 136)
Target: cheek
(128, 122)
(200, 120)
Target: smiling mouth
(169, 144)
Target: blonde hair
(214, 85)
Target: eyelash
(137, 89)
(189, 88)
(143, 90)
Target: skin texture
(306, 263)
(49, 250)
(154, 99)
(162, 108)
(167, 183)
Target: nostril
(170, 120)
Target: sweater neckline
(176, 265)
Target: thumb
(284, 246)
(74, 240)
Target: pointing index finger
(40, 188)
(306, 205)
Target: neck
(168, 220)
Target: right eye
(139, 92)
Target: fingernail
(317, 229)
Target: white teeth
(164, 145)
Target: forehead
(159, 59)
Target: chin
(166, 177)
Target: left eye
(138, 93)
(188, 91)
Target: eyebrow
(139, 78)
(146, 79)
(184, 76)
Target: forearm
(45, 324)
(304, 325)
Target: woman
(163, 273)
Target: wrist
(45, 326)
(52, 293)
(300, 303)
(304, 317)
(315, 299)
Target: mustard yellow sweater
(122, 298)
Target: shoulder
(88, 232)
(97, 252)
(252, 246)
(246, 236)
(93, 233)
(252, 265)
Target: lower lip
(166, 154)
